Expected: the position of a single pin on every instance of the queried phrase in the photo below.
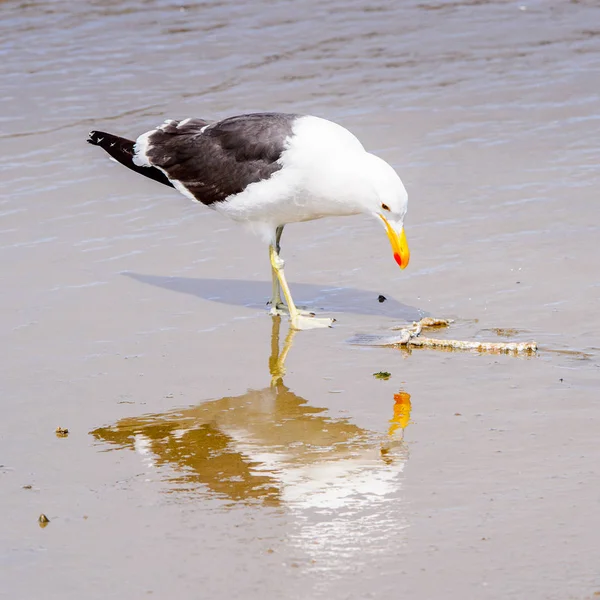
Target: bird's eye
(385, 207)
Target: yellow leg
(276, 303)
(297, 320)
(276, 294)
(277, 358)
(277, 266)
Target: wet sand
(210, 454)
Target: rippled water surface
(212, 454)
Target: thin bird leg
(277, 266)
(276, 303)
(297, 320)
(278, 233)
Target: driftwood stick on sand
(411, 336)
(502, 347)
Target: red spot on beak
(397, 258)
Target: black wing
(215, 161)
(122, 150)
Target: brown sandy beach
(210, 454)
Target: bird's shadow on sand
(254, 294)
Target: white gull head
(387, 201)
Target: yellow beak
(399, 244)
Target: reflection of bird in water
(270, 446)
(266, 170)
(264, 445)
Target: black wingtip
(123, 150)
(95, 137)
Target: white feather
(166, 124)
(140, 149)
(181, 188)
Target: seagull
(265, 170)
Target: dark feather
(122, 151)
(223, 159)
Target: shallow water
(212, 455)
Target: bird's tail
(122, 150)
